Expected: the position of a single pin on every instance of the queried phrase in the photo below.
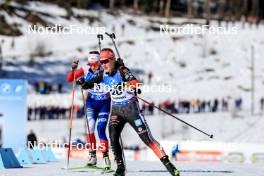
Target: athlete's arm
(96, 80)
(128, 77)
(77, 74)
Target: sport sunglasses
(93, 64)
(105, 61)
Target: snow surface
(140, 168)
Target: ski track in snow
(138, 168)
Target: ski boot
(121, 169)
(107, 162)
(170, 167)
(92, 160)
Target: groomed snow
(139, 168)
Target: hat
(93, 57)
(107, 53)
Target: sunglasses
(93, 64)
(105, 61)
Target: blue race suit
(98, 108)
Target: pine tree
(167, 8)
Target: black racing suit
(123, 112)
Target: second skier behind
(97, 108)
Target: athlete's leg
(103, 115)
(91, 117)
(90, 137)
(138, 122)
(116, 126)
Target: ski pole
(112, 36)
(87, 121)
(71, 115)
(166, 112)
(100, 37)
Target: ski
(105, 171)
(86, 167)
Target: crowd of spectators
(53, 112)
(179, 107)
(47, 88)
(197, 106)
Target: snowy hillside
(195, 66)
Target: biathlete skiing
(124, 108)
(97, 108)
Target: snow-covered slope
(195, 66)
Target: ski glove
(80, 81)
(74, 64)
(120, 62)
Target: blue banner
(13, 113)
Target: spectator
(257, 21)
(227, 20)
(215, 105)
(198, 105)
(123, 29)
(250, 21)
(209, 106)
(13, 43)
(143, 109)
(262, 104)
(203, 106)
(151, 108)
(224, 105)
(60, 88)
(219, 21)
(150, 76)
(233, 21)
(238, 103)
(194, 105)
(32, 140)
(113, 29)
(174, 152)
(29, 113)
(243, 20)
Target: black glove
(120, 62)
(80, 81)
(138, 91)
(74, 64)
